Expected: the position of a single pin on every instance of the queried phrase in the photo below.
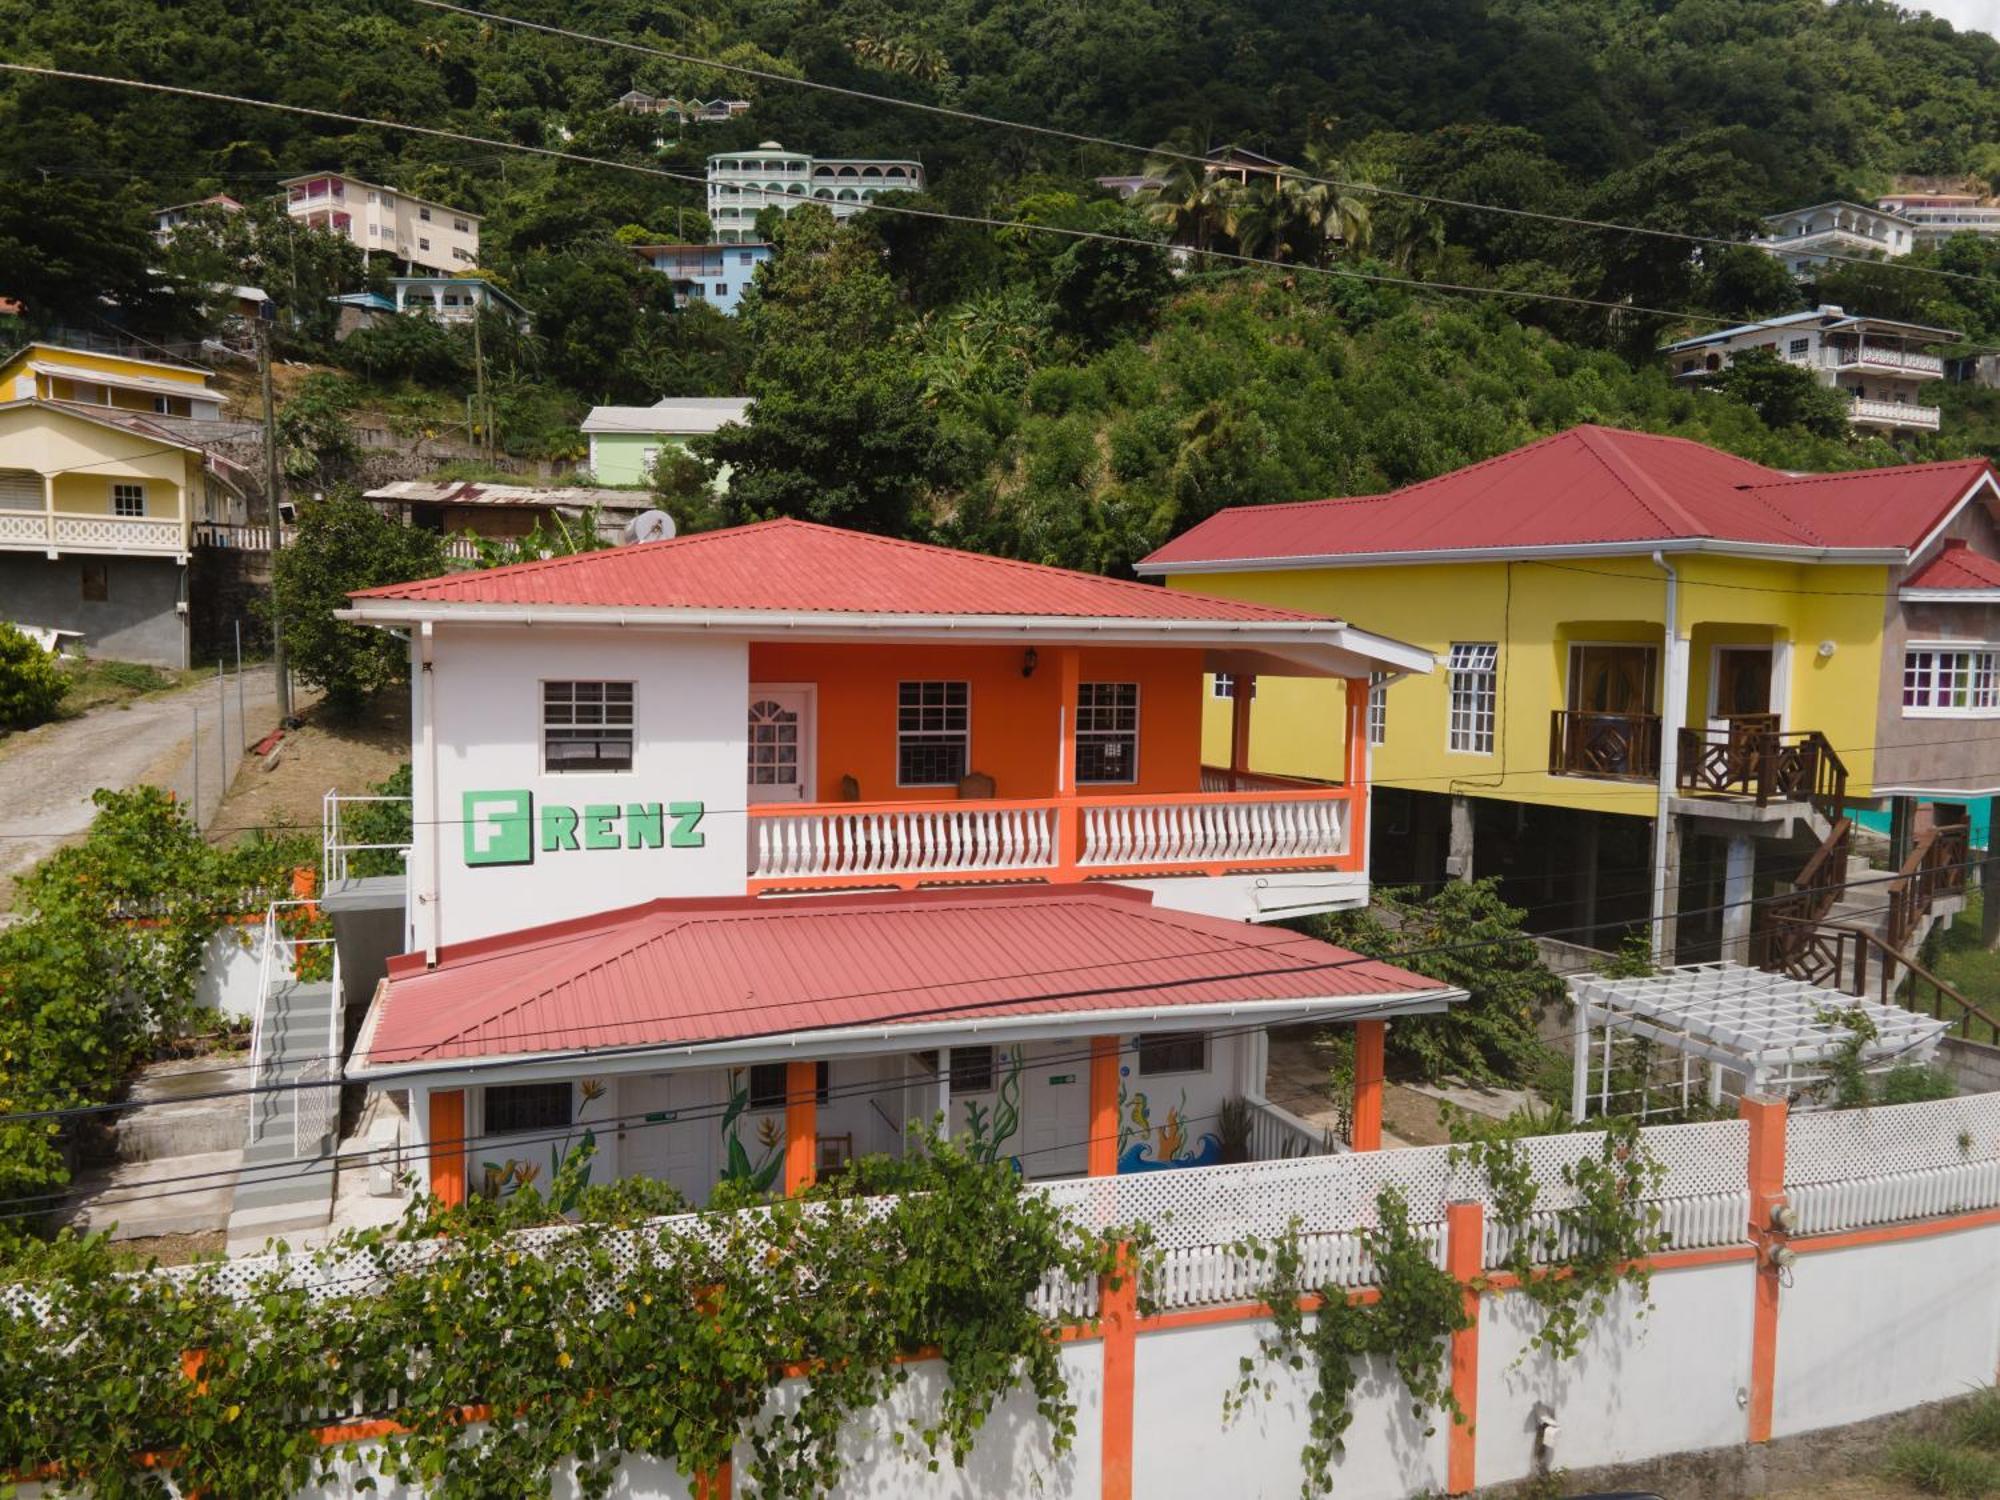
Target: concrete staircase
(286, 1182)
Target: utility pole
(479, 379)
(272, 514)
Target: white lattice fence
(1845, 1169)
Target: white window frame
(1472, 697)
(1378, 708)
(1981, 660)
(1131, 778)
(632, 728)
(128, 492)
(932, 736)
(1225, 683)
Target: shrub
(31, 683)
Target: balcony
(1872, 356)
(859, 845)
(1604, 746)
(1908, 414)
(82, 531)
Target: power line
(1339, 273)
(1279, 170)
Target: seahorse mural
(1145, 1147)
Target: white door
(672, 1122)
(1055, 1114)
(781, 744)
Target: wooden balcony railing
(1606, 746)
(858, 845)
(1936, 868)
(1752, 758)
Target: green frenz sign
(501, 828)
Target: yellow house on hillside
(97, 508)
(1668, 676)
(53, 372)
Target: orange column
(1767, 1191)
(715, 1484)
(1355, 773)
(1370, 1041)
(801, 1125)
(1069, 831)
(1465, 1255)
(1118, 1318)
(1242, 688)
(1103, 1156)
(447, 1146)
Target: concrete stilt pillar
(1586, 867)
(1666, 932)
(1738, 886)
(1458, 859)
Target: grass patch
(1978, 1422)
(1940, 1468)
(1962, 960)
(96, 683)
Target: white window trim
(897, 707)
(1972, 648)
(128, 484)
(1378, 708)
(1452, 674)
(1138, 720)
(542, 728)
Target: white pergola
(1754, 1031)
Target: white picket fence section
(906, 840)
(1851, 1168)
(1194, 831)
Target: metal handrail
(333, 849)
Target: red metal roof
(1957, 567)
(679, 972)
(1596, 485)
(798, 567)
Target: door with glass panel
(780, 744)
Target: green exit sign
(1062, 1078)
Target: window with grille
(767, 1085)
(1940, 682)
(586, 726)
(972, 1070)
(1378, 708)
(1225, 686)
(933, 733)
(515, 1108)
(1173, 1052)
(1472, 692)
(1107, 732)
(128, 499)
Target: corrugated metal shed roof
(680, 972)
(1593, 486)
(684, 416)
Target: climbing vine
(1414, 1308)
(615, 1337)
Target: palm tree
(1187, 200)
(1271, 219)
(1341, 204)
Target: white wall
(232, 971)
(1880, 1328)
(1674, 1380)
(1181, 1446)
(690, 700)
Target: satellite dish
(649, 526)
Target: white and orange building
(748, 851)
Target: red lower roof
(674, 973)
(799, 567)
(1958, 569)
(1593, 486)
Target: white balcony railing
(72, 531)
(1885, 358)
(1209, 830)
(858, 844)
(1893, 414)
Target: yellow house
(97, 509)
(53, 372)
(1669, 674)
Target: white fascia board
(1948, 596)
(1679, 546)
(1938, 793)
(1983, 482)
(834, 627)
(851, 1041)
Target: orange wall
(1014, 721)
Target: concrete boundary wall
(1768, 1333)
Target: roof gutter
(849, 1040)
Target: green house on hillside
(626, 441)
